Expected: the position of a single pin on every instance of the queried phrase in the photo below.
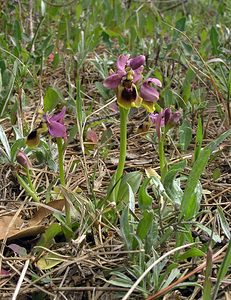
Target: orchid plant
(54, 125)
(131, 91)
(164, 121)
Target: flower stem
(162, 155)
(60, 146)
(31, 192)
(29, 180)
(61, 165)
(123, 148)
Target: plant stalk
(123, 148)
(60, 146)
(29, 180)
(27, 188)
(162, 155)
(61, 165)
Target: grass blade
(223, 270)
(10, 89)
(4, 140)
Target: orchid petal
(158, 120)
(167, 115)
(153, 117)
(59, 117)
(154, 81)
(136, 62)
(158, 124)
(122, 62)
(57, 129)
(175, 118)
(138, 74)
(148, 93)
(112, 81)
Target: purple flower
(125, 64)
(127, 83)
(166, 118)
(158, 120)
(149, 94)
(56, 125)
(171, 119)
(23, 160)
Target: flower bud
(23, 160)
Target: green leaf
(215, 237)
(213, 145)
(224, 224)
(4, 104)
(199, 139)
(48, 261)
(193, 252)
(15, 147)
(185, 135)
(186, 88)
(79, 106)
(125, 228)
(131, 199)
(166, 236)
(78, 10)
(189, 204)
(193, 202)
(171, 185)
(214, 40)
(144, 224)
(47, 237)
(168, 97)
(120, 279)
(180, 25)
(152, 237)
(144, 199)
(134, 180)
(17, 33)
(223, 270)
(5, 143)
(52, 98)
(173, 274)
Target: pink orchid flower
(125, 63)
(55, 124)
(166, 118)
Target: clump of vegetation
(114, 140)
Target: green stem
(162, 155)
(27, 188)
(123, 148)
(29, 180)
(61, 165)
(60, 146)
